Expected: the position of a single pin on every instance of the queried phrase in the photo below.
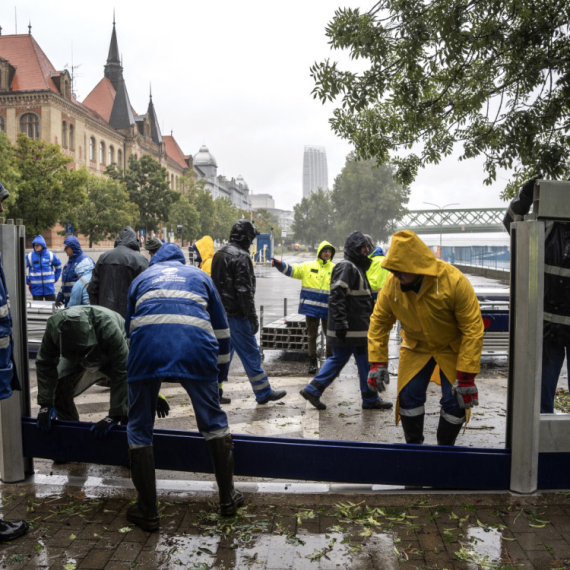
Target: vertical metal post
(285, 307)
(13, 467)
(525, 368)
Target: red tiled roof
(101, 98)
(173, 151)
(33, 68)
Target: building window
(30, 124)
(101, 152)
(120, 158)
(64, 134)
(92, 149)
(2, 126)
(111, 154)
(71, 138)
(172, 181)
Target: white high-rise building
(315, 170)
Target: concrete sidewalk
(84, 527)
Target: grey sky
(231, 75)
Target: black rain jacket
(350, 302)
(556, 269)
(115, 271)
(233, 274)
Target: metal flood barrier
(537, 455)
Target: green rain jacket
(91, 338)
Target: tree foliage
(267, 223)
(364, 198)
(47, 191)
(202, 200)
(148, 187)
(226, 215)
(185, 213)
(9, 171)
(105, 211)
(492, 76)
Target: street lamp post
(441, 208)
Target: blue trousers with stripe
(245, 344)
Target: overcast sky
(231, 75)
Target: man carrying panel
(314, 301)
(179, 305)
(441, 326)
(80, 345)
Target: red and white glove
(378, 377)
(465, 390)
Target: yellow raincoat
(443, 320)
(205, 247)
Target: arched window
(64, 134)
(92, 149)
(111, 154)
(30, 124)
(71, 137)
(120, 158)
(2, 126)
(101, 152)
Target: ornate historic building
(37, 99)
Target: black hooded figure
(234, 277)
(350, 306)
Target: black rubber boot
(413, 428)
(379, 404)
(314, 400)
(313, 365)
(222, 454)
(447, 432)
(144, 513)
(10, 530)
(223, 399)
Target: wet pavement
(85, 528)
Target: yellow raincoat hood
(205, 247)
(409, 254)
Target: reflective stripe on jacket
(44, 269)
(316, 283)
(176, 322)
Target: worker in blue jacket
(9, 530)
(44, 270)
(178, 332)
(69, 277)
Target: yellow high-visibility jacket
(443, 320)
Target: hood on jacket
(76, 332)
(205, 248)
(409, 254)
(83, 267)
(128, 238)
(324, 244)
(40, 240)
(354, 243)
(243, 233)
(73, 243)
(168, 252)
(377, 251)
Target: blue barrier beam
(285, 458)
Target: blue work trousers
(333, 367)
(413, 395)
(143, 396)
(552, 360)
(245, 344)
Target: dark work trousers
(44, 297)
(313, 333)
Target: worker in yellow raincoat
(204, 253)
(441, 326)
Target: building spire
(113, 68)
(30, 28)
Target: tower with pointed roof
(113, 67)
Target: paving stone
(529, 541)
(127, 551)
(541, 560)
(97, 559)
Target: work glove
(162, 407)
(465, 390)
(378, 377)
(276, 263)
(341, 333)
(254, 322)
(59, 300)
(102, 428)
(45, 415)
(30, 287)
